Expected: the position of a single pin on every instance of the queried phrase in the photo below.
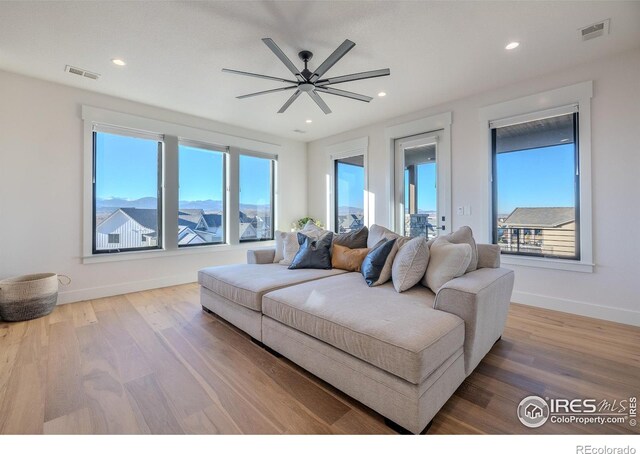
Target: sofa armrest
(488, 256)
(261, 256)
(481, 298)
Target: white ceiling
(437, 51)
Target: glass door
(417, 195)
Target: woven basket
(27, 297)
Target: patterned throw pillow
(410, 264)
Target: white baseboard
(611, 314)
(84, 294)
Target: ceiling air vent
(299, 131)
(81, 72)
(595, 30)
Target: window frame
(579, 94)
(336, 207)
(570, 110)
(225, 162)
(272, 167)
(343, 150)
(125, 132)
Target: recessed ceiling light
(512, 45)
(382, 93)
(308, 121)
(117, 61)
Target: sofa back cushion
(313, 253)
(374, 263)
(355, 239)
(446, 261)
(345, 258)
(410, 264)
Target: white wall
(41, 181)
(613, 291)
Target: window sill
(540, 262)
(158, 253)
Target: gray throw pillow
(410, 264)
(446, 261)
(356, 239)
(313, 252)
(465, 235)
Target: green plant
(300, 223)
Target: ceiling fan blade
(290, 101)
(337, 54)
(346, 94)
(356, 76)
(250, 95)
(261, 76)
(283, 58)
(316, 97)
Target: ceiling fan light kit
(310, 82)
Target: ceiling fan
(310, 82)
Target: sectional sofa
(401, 354)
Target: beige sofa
(402, 354)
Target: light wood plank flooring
(154, 363)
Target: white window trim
(172, 132)
(529, 107)
(440, 122)
(342, 150)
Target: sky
(350, 185)
(426, 188)
(540, 177)
(127, 168)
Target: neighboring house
(539, 230)
(186, 236)
(247, 231)
(350, 222)
(128, 228)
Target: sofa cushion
(410, 264)
(245, 284)
(348, 259)
(446, 261)
(356, 239)
(313, 252)
(399, 332)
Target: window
(201, 200)
(256, 198)
(126, 190)
(349, 194)
(536, 186)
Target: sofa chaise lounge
(401, 354)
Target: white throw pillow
(465, 235)
(377, 233)
(446, 261)
(410, 264)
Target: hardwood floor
(154, 362)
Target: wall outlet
(467, 210)
(460, 211)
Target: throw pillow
(446, 261)
(356, 239)
(345, 258)
(290, 247)
(465, 235)
(313, 253)
(279, 237)
(410, 264)
(377, 233)
(374, 262)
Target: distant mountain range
(343, 211)
(152, 202)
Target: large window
(201, 201)
(256, 198)
(126, 192)
(536, 186)
(349, 194)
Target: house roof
(146, 217)
(213, 220)
(541, 217)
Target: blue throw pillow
(375, 260)
(313, 252)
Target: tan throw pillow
(446, 261)
(410, 264)
(465, 235)
(345, 258)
